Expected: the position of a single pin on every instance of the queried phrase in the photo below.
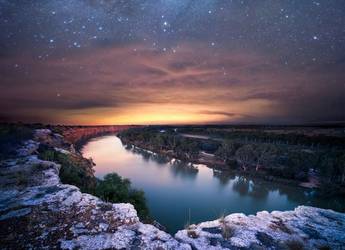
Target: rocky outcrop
(303, 228)
(38, 211)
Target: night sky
(172, 61)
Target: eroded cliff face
(38, 211)
(74, 134)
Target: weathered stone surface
(303, 228)
(38, 211)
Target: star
(251, 42)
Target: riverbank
(38, 211)
(309, 161)
(220, 168)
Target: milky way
(172, 61)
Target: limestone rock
(38, 211)
(303, 228)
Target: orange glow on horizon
(151, 114)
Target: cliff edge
(37, 211)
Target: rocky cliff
(73, 134)
(38, 211)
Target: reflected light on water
(171, 190)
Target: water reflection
(178, 168)
(174, 188)
(183, 170)
(224, 177)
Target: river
(178, 194)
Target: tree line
(251, 151)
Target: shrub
(114, 188)
(74, 171)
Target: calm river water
(175, 193)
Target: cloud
(222, 113)
(225, 114)
(233, 85)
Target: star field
(277, 55)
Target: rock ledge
(38, 211)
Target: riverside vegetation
(290, 154)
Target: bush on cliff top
(76, 171)
(114, 188)
(73, 171)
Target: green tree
(113, 188)
(332, 166)
(246, 156)
(266, 154)
(227, 150)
